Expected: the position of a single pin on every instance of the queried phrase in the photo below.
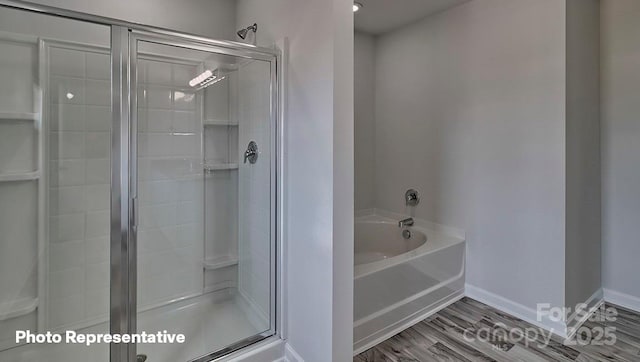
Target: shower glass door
(137, 190)
(55, 133)
(203, 191)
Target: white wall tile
(190, 234)
(98, 171)
(98, 223)
(97, 302)
(156, 239)
(66, 144)
(157, 144)
(66, 310)
(98, 144)
(67, 117)
(159, 120)
(65, 255)
(97, 276)
(67, 172)
(66, 283)
(98, 92)
(67, 200)
(66, 62)
(186, 144)
(158, 215)
(98, 118)
(189, 212)
(66, 90)
(182, 74)
(98, 66)
(97, 250)
(68, 227)
(158, 73)
(184, 100)
(186, 121)
(98, 197)
(154, 192)
(159, 97)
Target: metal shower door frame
(123, 231)
(129, 104)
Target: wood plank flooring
(471, 331)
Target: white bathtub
(399, 281)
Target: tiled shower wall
(79, 163)
(18, 199)
(171, 187)
(170, 233)
(171, 184)
(254, 243)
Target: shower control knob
(411, 197)
(251, 153)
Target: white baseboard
(622, 299)
(290, 354)
(516, 309)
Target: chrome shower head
(242, 33)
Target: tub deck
(391, 295)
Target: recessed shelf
(17, 308)
(18, 116)
(22, 176)
(220, 166)
(220, 262)
(219, 122)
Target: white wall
(470, 111)
(364, 98)
(583, 239)
(319, 169)
(343, 181)
(621, 146)
(213, 18)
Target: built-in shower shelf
(220, 166)
(17, 308)
(220, 262)
(219, 122)
(23, 176)
(18, 116)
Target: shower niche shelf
(18, 116)
(219, 122)
(220, 262)
(22, 176)
(220, 166)
(18, 308)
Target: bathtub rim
(438, 238)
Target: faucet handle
(251, 153)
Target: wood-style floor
(441, 337)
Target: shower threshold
(210, 322)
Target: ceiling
(380, 16)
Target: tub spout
(405, 222)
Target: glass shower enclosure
(138, 179)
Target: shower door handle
(134, 213)
(251, 153)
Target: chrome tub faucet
(405, 222)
